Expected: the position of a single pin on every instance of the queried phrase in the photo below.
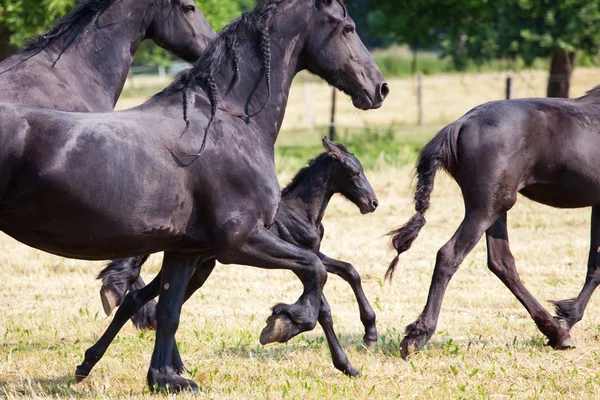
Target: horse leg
(133, 301)
(263, 249)
(202, 273)
(502, 263)
(571, 310)
(348, 273)
(449, 258)
(339, 357)
(176, 272)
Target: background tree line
(561, 31)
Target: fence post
(332, 125)
(509, 87)
(309, 116)
(420, 99)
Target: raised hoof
(408, 347)
(110, 300)
(278, 329)
(169, 382)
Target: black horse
(197, 181)
(298, 221)
(545, 149)
(81, 64)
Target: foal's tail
(440, 152)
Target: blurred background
(441, 57)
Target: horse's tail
(119, 277)
(440, 152)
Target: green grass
(375, 147)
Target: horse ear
(334, 151)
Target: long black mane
(221, 50)
(301, 175)
(75, 24)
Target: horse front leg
(348, 273)
(176, 272)
(264, 249)
(571, 310)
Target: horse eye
(348, 29)
(189, 9)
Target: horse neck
(105, 51)
(312, 191)
(249, 95)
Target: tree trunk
(5, 49)
(561, 68)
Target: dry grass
(445, 97)
(486, 346)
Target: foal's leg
(264, 249)
(339, 357)
(176, 272)
(571, 310)
(502, 263)
(449, 258)
(348, 273)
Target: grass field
(486, 345)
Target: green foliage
(482, 30)
(24, 19)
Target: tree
(483, 30)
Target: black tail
(119, 277)
(440, 152)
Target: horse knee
(446, 263)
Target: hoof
(110, 300)
(409, 346)
(566, 344)
(277, 330)
(166, 381)
(351, 371)
(370, 343)
(80, 375)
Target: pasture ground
(486, 345)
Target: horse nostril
(384, 90)
(374, 203)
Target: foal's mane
(592, 96)
(224, 47)
(301, 175)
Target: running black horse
(81, 64)
(190, 172)
(545, 149)
(298, 221)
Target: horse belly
(573, 192)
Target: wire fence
(425, 100)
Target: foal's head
(179, 27)
(348, 178)
(334, 51)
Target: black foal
(303, 204)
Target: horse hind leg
(449, 258)
(571, 311)
(502, 263)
